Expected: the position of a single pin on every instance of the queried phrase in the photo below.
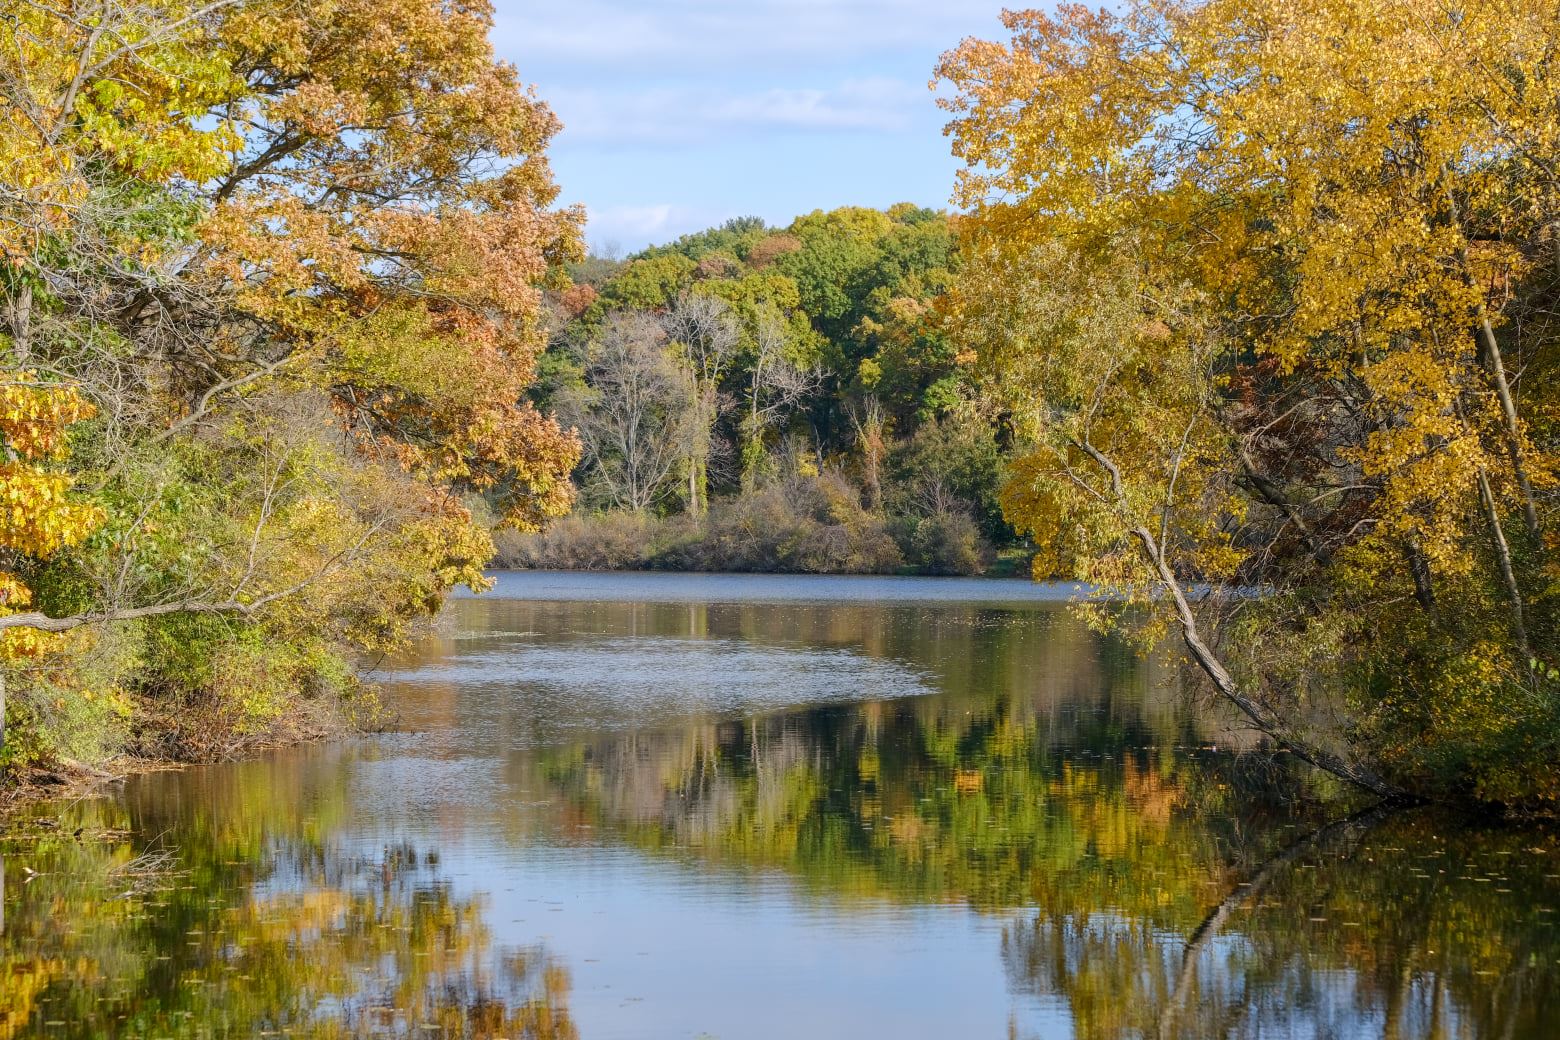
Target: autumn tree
(777, 384)
(637, 414)
(705, 334)
(290, 259)
(1260, 283)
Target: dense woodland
(1245, 312)
(772, 399)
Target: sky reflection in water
(805, 807)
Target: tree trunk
(754, 446)
(1508, 408)
(19, 315)
(1494, 363)
(869, 440)
(698, 493)
(1424, 586)
(1508, 573)
(752, 450)
(1258, 713)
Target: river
(744, 808)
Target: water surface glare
(645, 806)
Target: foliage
(1255, 281)
(952, 465)
(807, 524)
(39, 517)
(848, 294)
(273, 296)
(944, 543)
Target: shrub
(947, 543)
(808, 524)
(612, 541)
(949, 466)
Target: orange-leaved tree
(288, 258)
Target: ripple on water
(645, 680)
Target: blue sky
(679, 114)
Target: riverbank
(165, 741)
(806, 525)
(69, 781)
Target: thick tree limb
(1508, 574)
(1508, 410)
(46, 623)
(1260, 714)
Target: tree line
(773, 398)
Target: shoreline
(75, 781)
(67, 779)
(1003, 570)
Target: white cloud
(630, 227)
(634, 220)
(687, 114)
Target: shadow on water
(769, 819)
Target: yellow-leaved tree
(38, 514)
(1269, 288)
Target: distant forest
(772, 398)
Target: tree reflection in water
(1133, 877)
(1155, 892)
(110, 941)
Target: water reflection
(968, 820)
(1373, 927)
(217, 937)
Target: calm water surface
(644, 806)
